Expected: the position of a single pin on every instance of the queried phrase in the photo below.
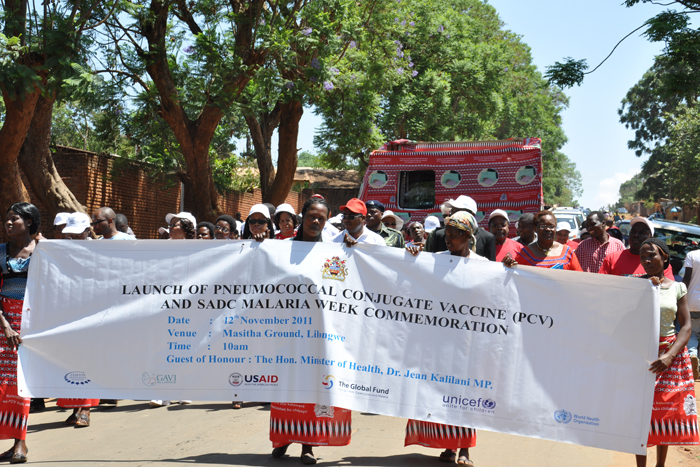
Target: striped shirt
(591, 253)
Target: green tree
(200, 57)
(454, 74)
(683, 169)
(630, 190)
(43, 45)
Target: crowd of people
(541, 241)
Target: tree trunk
(36, 162)
(18, 117)
(290, 115)
(194, 136)
(261, 130)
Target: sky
(555, 29)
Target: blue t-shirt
(120, 236)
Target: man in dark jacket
(485, 241)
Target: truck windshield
(417, 189)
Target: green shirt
(392, 237)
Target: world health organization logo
(328, 381)
(562, 416)
(334, 269)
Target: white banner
(549, 354)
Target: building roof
(323, 178)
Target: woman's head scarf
(462, 220)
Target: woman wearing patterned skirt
(459, 230)
(309, 424)
(674, 419)
(22, 221)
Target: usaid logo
(235, 379)
(152, 379)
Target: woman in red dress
(22, 221)
(309, 424)
(674, 418)
(545, 251)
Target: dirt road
(213, 434)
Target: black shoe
(280, 451)
(36, 406)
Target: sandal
(308, 458)
(18, 458)
(72, 420)
(464, 460)
(448, 456)
(236, 404)
(83, 420)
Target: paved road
(212, 434)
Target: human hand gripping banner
(549, 354)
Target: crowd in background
(541, 241)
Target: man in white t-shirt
(692, 282)
(354, 213)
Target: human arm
(666, 359)
(414, 249)
(508, 261)
(687, 276)
(348, 240)
(259, 237)
(12, 336)
(573, 265)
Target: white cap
(162, 230)
(431, 223)
(181, 215)
(61, 218)
(260, 209)
(498, 213)
(563, 226)
(462, 202)
(399, 221)
(76, 223)
(285, 207)
(642, 219)
(337, 219)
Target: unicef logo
(489, 404)
(76, 377)
(562, 416)
(235, 379)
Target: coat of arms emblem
(334, 269)
(323, 410)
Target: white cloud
(609, 188)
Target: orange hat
(355, 205)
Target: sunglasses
(222, 229)
(351, 217)
(257, 221)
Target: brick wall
(129, 190)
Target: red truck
(414, 178)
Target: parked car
(624, 227)
(574, 217)
(681, 237)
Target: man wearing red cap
(354, 213)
